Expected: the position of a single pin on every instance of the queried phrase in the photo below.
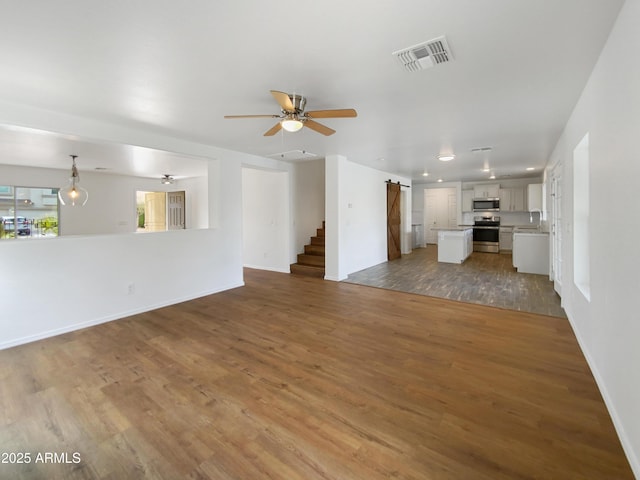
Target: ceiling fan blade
(251, 116)
(339, 113)
(318, 127)
(283, 100)
(273, 130)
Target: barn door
(393, 221)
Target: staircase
(311, 262)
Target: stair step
(307, 270)
(317, 240)
(314, 260)
(320, 232)
(314, 249)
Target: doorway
(440, 211)
(160, 211)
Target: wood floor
(297, 378)
(484, 278)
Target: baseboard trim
(110, 318)
(270, 269)
(631, 454)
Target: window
(28, 212)
(581, 267)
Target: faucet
(539, 217)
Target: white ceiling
(177, 68)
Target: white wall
(608, 327)
(265, 219)
(85, 280)
(309, 194)
(356, 210)
(112, 202)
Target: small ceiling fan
(293, 117)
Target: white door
(175, 210)
(440, 211)
(430, 217)
(452, 208)
(155, 213)
(556, 228)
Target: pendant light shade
(73, 194)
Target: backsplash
(506, 218)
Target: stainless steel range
(486, 234)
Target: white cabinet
(534, 197)
(531, 252)
(486, 191)
(506, 239)
(454, 246)
(467, 200)
(512, 199)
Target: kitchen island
(455, 244)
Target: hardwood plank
(297, 378)
(484, 278)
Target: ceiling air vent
(425, 55)
(292, 155)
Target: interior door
(393, 221)
(176, 210)
(430, 217)
(155, 211)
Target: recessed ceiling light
(492, 177)
(486, 170)
(439, 180)
(445, 157)
(425, 174)
(530, 169)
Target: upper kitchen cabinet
(512, 199)
(467, 200)
(486, 191)
(534, 197)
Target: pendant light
(73, 195)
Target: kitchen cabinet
(467, 200)
(512, 199)
(506, 239)
(486, 191)
(454, 246)
(531, 252)
(534, 197)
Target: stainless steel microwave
(486, 204)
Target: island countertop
(459, 228)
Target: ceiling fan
(293, 117)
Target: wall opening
(581, 267)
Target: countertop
(529, 231)
(459, 228)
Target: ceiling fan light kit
(293, 116)
(291, 123)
